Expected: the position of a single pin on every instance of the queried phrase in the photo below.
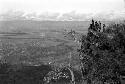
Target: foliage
(58, 75)
(43, 74)
(102, 53)
(12, 74)
(63, 76)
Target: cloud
(110, 15)
(12, 15)
(70, 16)
(48, 16)
(75, 16)
(124, 3)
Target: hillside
(32, 25)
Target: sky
(62, 9)
(62, 6)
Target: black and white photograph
(62, 41)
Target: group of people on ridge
(96, 26)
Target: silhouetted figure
(99, 26)
(103, 27)
(90, 27)
(96, 26)
(93, 22)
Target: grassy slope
(32, 49)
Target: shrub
(102, 54)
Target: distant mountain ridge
(37, 26)
(31, 25)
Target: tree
(102, 54)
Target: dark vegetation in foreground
(102, 54)
(13, 74)
(43, 74)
